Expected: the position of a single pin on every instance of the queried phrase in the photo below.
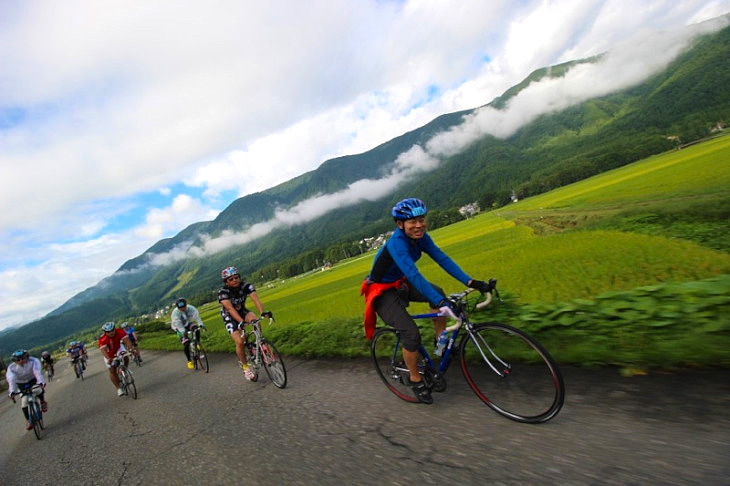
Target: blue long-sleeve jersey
(397, 259)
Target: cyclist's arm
(195, 316)
(257, 302)
(12, 383)
(104, 348)
(228, 306)
(176, 322)
(127, 343)
(444, 261)
(37, 372)
(402, 258)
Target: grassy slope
(571, 243)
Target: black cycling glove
(483, 287)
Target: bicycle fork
(481, 345)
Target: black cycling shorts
(392, 305)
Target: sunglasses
(233, 277)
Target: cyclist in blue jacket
(394, 281)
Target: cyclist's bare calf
(240, 339)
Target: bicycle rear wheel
(137, 360)
(35, 415)
(201, 357)
(273, 364)
(511, 373)
(386, 351)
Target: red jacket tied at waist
(371, 290)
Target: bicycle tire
(273, 363)
(386, 352)
(531, 389)
(136, 360)
(35, 416)
(201, 358)
(130, 388)
(79, 370)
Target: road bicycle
(30, 398)
(262, 353)
(135, 354)
(78, 366)
(507, 369)
(126, 380)
(197, 352)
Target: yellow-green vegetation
(627, 268)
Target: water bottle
(441, 343)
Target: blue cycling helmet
(108, 326)
(408, 209)
(20, 354)
(180, 303)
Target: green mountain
(681, 104)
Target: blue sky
(122, 123)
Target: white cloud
(183, 211)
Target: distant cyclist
(132, 335)
(74, 353)
(111, 342)
(47, 362)
(394, 281)
(183, 317)
(234, 312)
(82, 352)
(23, 373)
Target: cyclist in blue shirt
(74, 352)
(394, 281)
(82, 352)
(132, 335)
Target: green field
(628, 268)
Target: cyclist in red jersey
(110, 343)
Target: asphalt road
(335, 423)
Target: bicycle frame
(258, 335)
(462, 321)
(263, 354)
(28, 394)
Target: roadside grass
(628, 268)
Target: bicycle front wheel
(386, 351)
(273, 364)
(511, 373)
(35, 415)
(201, 358)
(130, 387)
